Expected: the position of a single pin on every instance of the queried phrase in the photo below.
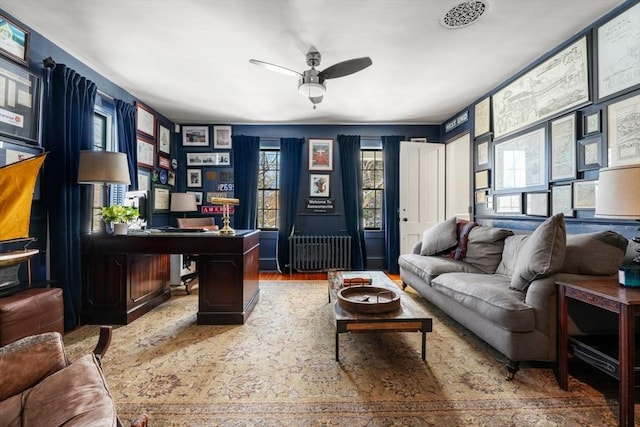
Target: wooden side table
(609, 295)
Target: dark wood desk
(609, 295)
(127, 276)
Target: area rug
(279, 369)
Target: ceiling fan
(311, 83)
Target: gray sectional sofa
(501, 285)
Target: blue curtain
(126, 124)
(349, 148)
(391, 156)
(246, 155)
(290, 164)
(68, 128)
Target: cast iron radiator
(320, 253)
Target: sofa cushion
(25, 362)
(11, 411)
(489, 296)
(542, 253)
(484, 248)
(512, 246)
(440, 237)
(428, 267)
(74, 396)
(600, 253)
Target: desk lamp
(618, 197)
(225, 202)
(183, 202)
(103, 167)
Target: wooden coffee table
(410, 317)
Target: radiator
(319, 253)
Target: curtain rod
(105, 95)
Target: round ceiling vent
(464, 13)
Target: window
(372, 188)
(103, 140)
(268, 189)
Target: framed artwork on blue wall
(320, 154)
(15, 40)
(20, 109)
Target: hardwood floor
(274, 275)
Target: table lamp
(183, 202)
(618, 197)
(225, 202)
(103, 167)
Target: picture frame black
(483, 152)
(161, 198)
(584, 194)
(537, 203)
(22, 103)
(18, 47)
(320, 154)
(508, 204)
(562, 153)
(562, 200)
(145, 121)
(591, 123)
(482, 179)
(592, 153)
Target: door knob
(405, 219)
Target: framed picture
(164, 163)
(146, 153)
(537, 204)
(482, 117)
(481, 197)
(319, 185)
(320, 154)
(591, 123)
(144, 180)
(515, 108)
(563, 148)
(164, 140)
(15, 41)
(591, 153)
(195, 136)
(561, 197)
(508, 203)
(198, 196)
(194, 177)
(145, 120)
(171, 178)
(222, 137)
(618, 68)
(482, 179)
(520, 162)
(584, 194)
(623, 128)
(20, 102)
(161, 196)
(209, 159)
(483, 151)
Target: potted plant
(119, 216)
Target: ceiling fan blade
(275, 68)
(345, 68)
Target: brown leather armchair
(40, 387)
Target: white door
(458, 178)
(422, 190)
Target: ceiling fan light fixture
(311, 90)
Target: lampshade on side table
(183, 202)
(618, 197)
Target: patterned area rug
(278, 369)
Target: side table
(609, 295)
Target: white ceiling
(189, 59)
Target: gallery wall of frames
(540, 139)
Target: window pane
(372, 186)
(268, 189)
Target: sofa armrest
(26, 362)
(542, 296)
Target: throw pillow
(542, 254)
(485, 247)
(599, 253)
(440, 237)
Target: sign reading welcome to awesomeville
(320, 206)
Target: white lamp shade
(183, 202)
(619, 192)
(103, 167)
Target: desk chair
(190, 261)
